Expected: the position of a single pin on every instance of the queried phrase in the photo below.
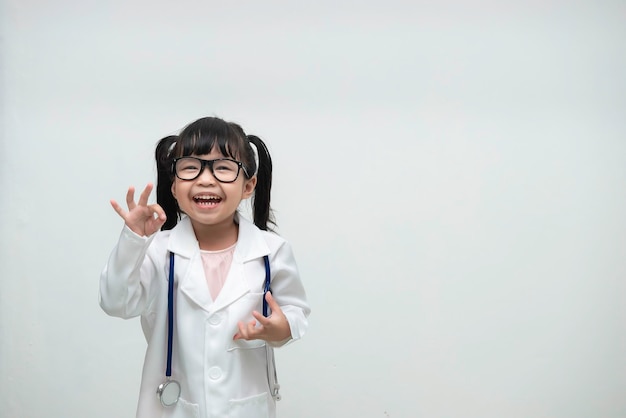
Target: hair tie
(169, 150)
(255, 151)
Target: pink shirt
(216, 265)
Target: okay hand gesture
(273, 328)
(141, 218)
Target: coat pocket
(245, 344)
(252, 407)
(182, 409)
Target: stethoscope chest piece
(169, 392)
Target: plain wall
(452, 176)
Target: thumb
(272, 302)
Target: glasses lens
(225, 170)
(188, 168)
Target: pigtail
(164, 159)
(263, 214)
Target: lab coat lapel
(188, 264)
(250, 245)
(234, 288)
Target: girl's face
(208, 202)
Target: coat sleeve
(289, 293)
(125, 282)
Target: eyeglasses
(224, 170)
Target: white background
(452, 176)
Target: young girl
(210, 346)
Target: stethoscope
(168, 392)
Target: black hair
(199, 138)
(165, 199)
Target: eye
(188, 165)
(225, 166)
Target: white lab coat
(219, 377)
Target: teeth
(207, 198)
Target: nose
(206, 176)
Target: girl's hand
(141, 218)
(273, 328)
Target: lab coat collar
(250, 245)
(250, 241)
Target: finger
(271, 302)
(120, 211)
(143, 198)
(247, 331)
(252, 330)
(262, 319)
(243, 332)
(240, 333)
(158, 211)
(130, 198)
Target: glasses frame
(209, 163)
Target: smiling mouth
(207, 201)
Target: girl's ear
(174, 189)
(248, 187)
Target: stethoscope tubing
(266, 287)
(170, 317)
